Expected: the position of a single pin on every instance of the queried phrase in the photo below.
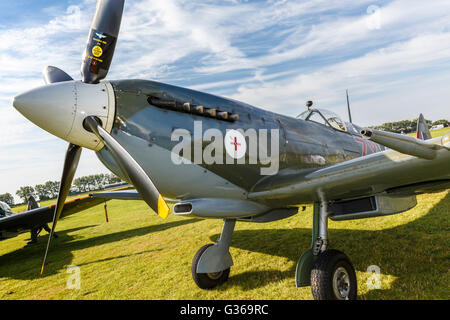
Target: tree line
(408, 126)
(49, 190)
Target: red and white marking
(235, 144)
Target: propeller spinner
(83, 112)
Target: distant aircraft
(223, 159)
(35, 218)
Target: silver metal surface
(323, 225)
(136, 174)
(217, 257)
(54, 74)
(341, 283)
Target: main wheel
(207, 280)
(333, 277)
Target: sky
(392, 56)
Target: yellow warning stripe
(163, 209)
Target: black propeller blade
(137, 175)
(70, 166)
(54, 74)
(102, 40)
(97, 60)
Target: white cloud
(380, 73)
(274, 54)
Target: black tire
(207, 280)
(333, 277)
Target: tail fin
(423, 132)
(32, 204)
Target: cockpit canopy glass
(324, 117)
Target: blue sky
(393, 56)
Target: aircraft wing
(124, 195)
(119, 195)
(39, 216)
(388, 171)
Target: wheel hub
(341, 283)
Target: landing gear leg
(329, 272)
(212, 262)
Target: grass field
(139, 256)
(435, 133)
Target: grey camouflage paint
(145, 131)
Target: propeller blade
(70, 166)
(102, 40)
(137, 175)
(53, 74)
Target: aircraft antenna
(348, 107)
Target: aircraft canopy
(324, 117)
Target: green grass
(434, 133)
(139, 256)
(439, 132)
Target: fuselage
(196, 145)
(146, 131)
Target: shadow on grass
(25, 263)
(119, 257)
(416, 254)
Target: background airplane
(35, 218)
(339, 167)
